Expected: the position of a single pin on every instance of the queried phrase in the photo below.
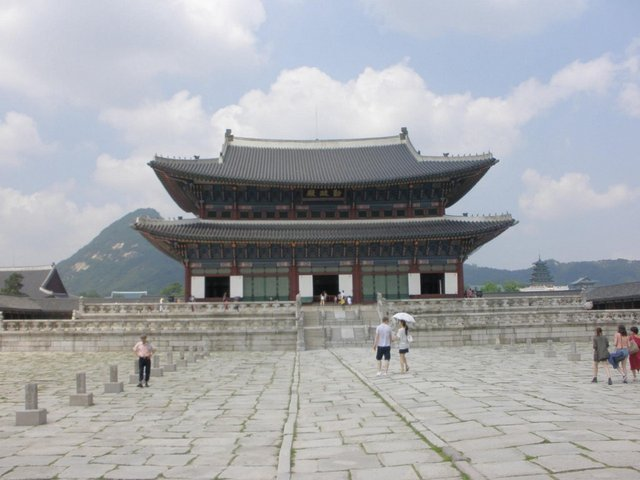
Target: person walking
(403, 345)
(634, 358)
(144, 350)
(618, 359)
(600, 355)
(382, 345)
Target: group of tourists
(627, 348)
(382, 345)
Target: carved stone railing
(194, 309)
(132, 325)
(524, 303)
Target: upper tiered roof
(312, 163)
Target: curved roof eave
(322, 231)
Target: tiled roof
(198, 230)
(37, 281)
(622, 291)
(18, 303)
(322, 162)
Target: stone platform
(469, 412)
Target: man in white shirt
(143, 350)
(382, 345)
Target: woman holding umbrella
(403, 338)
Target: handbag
(410, 339)
(633, 347)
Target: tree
(13, 285)
(512, 286)
(90, 294)
(491, 287)
(173, 290)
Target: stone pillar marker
(156, 369)
(81, 397)
(182, 362)
(135, 376)
(170, 366)
(113, 386)
(529, 348)
(574, 356)
(550, 352)
(31, 415)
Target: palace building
(274, 218)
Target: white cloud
(19, 138)
(306, 102)
(134, 183)
(572, 195)
(492, 18)
(629, 99)
(178, 125)
(56, 227)
(93, 52)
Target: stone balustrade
(87, 309)
(281, 326)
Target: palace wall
(270, 326)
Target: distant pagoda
(281, 218)
(540, 276)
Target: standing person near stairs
(382, 345)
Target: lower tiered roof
(478, 230)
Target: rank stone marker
(81, 398)
(31, 415)
(113, 386)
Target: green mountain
(603, 272)
(120, 259)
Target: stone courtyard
(470, 412)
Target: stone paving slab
(496, 413)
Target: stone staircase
(334, 326)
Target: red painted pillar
(460, 272)
(294, 284)
(187, 280)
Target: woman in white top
(403, 345)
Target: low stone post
(550, 352)
(182, 362)
(574, 356)
(81, 397)
(156, 369)
(134, 377)
(498, 344)
(113, 386)
(169, 366)
(529, 348)
(31, 415)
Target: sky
(91, 91)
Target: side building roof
(365, 162)
(37, 281)
(618, 292)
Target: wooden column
(187, 280)
(294, 285)
(460, 272)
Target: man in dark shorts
(382, 345)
